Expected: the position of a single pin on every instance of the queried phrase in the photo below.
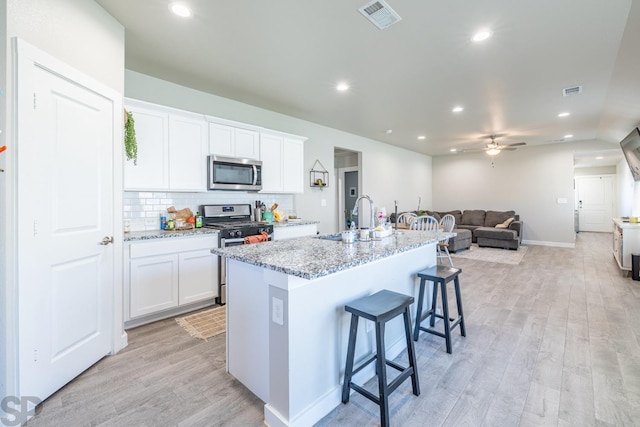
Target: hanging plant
(130, 144)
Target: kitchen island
(287, 329)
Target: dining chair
(424, 223)
(406, 218)
(447, 224)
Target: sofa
(496, 229)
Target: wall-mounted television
(631, 148)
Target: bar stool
(439, 275)
(380, 308)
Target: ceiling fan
(493, 148)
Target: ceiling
(289, 55)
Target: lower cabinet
(626, 242)
(169, 276)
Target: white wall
(528, 180)
(388, 173)
(628, 191)
(81, 34)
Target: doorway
(594, 203)
(347, 164)
(67, 148)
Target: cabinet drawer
(173, 245)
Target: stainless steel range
(234, 224)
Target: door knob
(106, 240)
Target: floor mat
(504, 256)
(205, 324)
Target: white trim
(553, 244)
(340, 193)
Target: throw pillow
(505, 224)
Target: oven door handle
(224, 242)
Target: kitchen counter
(287, 329)
(294, 224)
(166, 234)
(314, 257)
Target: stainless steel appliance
(234, 223)
(228, 173)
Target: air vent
(380, 13)
(568, 91)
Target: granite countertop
(312, 257)
(293, 224)
(166, 234)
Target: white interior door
(65, 196)
(595, 202)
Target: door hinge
(35, 228)
(34, 100)
(35, 354)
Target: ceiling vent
(380, 13)
(574, 90)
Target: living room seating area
(496, 229)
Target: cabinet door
(187, 159)
(153, 284)
(198, 276)
(152, 134)
(271, 156)
(221, 140)
(292, 166)
(247, 144)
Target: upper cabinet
(231, 141)
(152, 136)
(282, 163)
(173, 146)
(171, 149)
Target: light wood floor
(554, 341)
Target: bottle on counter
(198, 221)
(163, 222)
(170, 224)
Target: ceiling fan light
(493, 151)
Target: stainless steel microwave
(228, 173)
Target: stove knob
(238, 233)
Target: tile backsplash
(143, 208)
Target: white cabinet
(294, 231)
(626, 241)
(282, 163)
(152, 136)
(167, 276)
(231, 141)
(171, 149)
(187, 157)
(154, 284)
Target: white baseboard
(554, 244)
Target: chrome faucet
(355, 212)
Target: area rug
(205, 324)
(504, 256)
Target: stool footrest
(405, 372)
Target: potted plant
(130, 144)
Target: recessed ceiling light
(457, 109)
(599, 158)
(481, 36)
(389, 131)
(565, 114)
(421, 137)
(180, 9)
(453, 150)
(569, 135)
(342, 86)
